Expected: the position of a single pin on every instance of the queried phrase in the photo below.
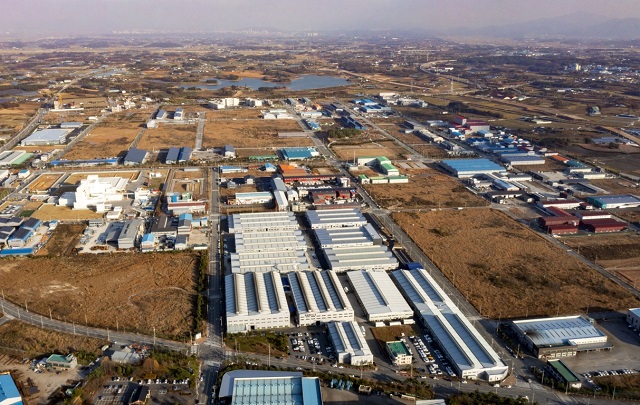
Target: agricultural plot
(110, 290)
(505, 269)
(256, 133)
(426, 189)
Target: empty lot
(505, 269)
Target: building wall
(633, 319)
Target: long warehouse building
(469, 353)
(269, 241)
(378, 296)
(470, 167)
(319, 298)
(349, 344)
(287, 260)
(338, 218)
(340, 237)
(255, 301)
(374, 257)
(262, 222)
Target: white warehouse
(373, 257)
(262, 222)
(340, 237)
(378, 296)
(255, 301)
(286, 260)
(319, 298)
(348, 217)
(349, 344)
(269, 241)
(470, 354)
(94, 190)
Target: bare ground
(505, 269)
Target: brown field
(32, 341)
(245, 153)
(251, 133)
(75, 178)
(617, 253)
(41, 148)
(43, 182)
(425, 190)
(632, 215)
(184, 182)
(16, 118)
(64, 239)
(391, 333)
(32, 205)
(48, 212)
(617, 186)
(238, 113)
(505, 269)
(166, 136)
(387, 149)
(132, 292)
(105, 140)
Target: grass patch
(26, 213)
(258, 342)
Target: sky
(82, 17)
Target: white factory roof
(47, 135)
(364, 235)
(287, 260)
(336, 218)
(262, 221)
(318, 291)
(347, 338)
(378, 295)
(559, 331)
(269, 241)
(455, 334)
(254, 294)
(360, 257)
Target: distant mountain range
(579, 25)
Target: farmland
(133, 293)
(505, 269)
(426, 189)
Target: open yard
(617, 186)
(428, 189)
(75, 178)
(134, 293)
(63, 240)
(380, 148)
(43, 182)
(251, 133)
(47, 212)
(505, 269)
(166, 136)
(259, 342)
(108, 139)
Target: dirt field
(238, 113)
(387, 149)
(75, 178)
(49, 211)
(132, 292)
(166, 136)
(629, 215)
(618, 253)
(192, 182)
(108, 139)
(505, 269)
(256, 133)
(426, 190)
(64, 239)
(16, 118)
(43, 182)
(617, 186)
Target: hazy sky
(104, 16)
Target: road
(199, 134)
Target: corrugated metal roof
(557, 331)
(136, 155)
(378, 294)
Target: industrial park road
(12, 311)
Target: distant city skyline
(86, 17)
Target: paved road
(201, 121)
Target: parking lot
(311, 345)
(119, 391)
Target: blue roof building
(172, 156)
(135, 156)
(9, 394)
(185, 154)
(471, 167)
(20, 237)
(259, 387)
(299, 153)
(31, 224)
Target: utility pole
(50, 317)
(154, 336)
